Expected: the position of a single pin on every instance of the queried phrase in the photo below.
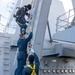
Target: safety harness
(33, 69)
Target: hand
(31, 29)
(27, 24)
(32, 50)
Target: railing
(4, 28)
(65, 20)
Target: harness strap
(33, 68)
(20, 23)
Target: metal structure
(56, 58)
(65, 20)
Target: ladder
(5, 55)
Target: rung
(6, 64)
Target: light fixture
(44, 71)
(57, 71)
(69, 70)
(73, 71)
(53, 70)
(48, 71)
(54, 60)
(65, 71)
(62, 71)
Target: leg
(23, 25)
(23, 19)
(22, 30)
(18, 71)
(21, 62)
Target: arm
(36, 59)
(22, 12)
(17, 7)
(29, 37)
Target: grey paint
(56, 10)
(53, 64)
(5, 54)
(66, 35)
(12, 56)
(42, 22)
(49, 52)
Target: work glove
(32, 50)
(27, 24)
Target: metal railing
(2, 26)
(5, 27)
(65, 20)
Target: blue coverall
(22, 55)
(28, 71)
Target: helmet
(29, 6)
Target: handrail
(66, 12)
(2, 25)
(3, 17)
(3, 28)
(66, 20)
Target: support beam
(41, 27)
(49, 31)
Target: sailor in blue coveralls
(22, 54)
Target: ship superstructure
(56, 53)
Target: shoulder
(27, 69)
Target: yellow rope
(31, 2)
(20, 23)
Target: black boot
(14, 16)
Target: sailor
(20, 17)
(22, 53)
(32, 68)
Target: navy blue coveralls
(22, 55)
(21, 20)
(28, 71)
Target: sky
(6, 11)
(67, 4)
